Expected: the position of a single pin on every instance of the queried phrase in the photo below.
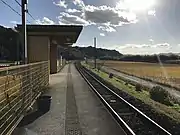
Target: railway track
(132, 120)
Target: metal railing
(59, 64)
(19, 87)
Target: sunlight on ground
(151, 71)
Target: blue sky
(129, 26)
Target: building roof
(62, 33)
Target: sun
(137, 5)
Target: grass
(167, 74)
(176, 107)
(170, 111)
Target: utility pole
(95, 53)
(61, 58)
(24, 32)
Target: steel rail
(122, 99)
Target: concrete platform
(75, 109)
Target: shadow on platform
(28, 119)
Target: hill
(164, 58)
(105, 54)
(100, 53)
(12, 50)
(8, 44)
(89, 52)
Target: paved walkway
(75, 109)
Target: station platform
(75, 110)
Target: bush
(160, 95)
(126, 83)
(138, 87)
(111, 75)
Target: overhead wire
(10, 7)
(17, 2)
(5, 3)
(31, 16)
(27, 10)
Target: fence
(19, 87)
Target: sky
(128, 26)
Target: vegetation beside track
(172, 111)
(166, 74)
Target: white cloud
(151, 40)
(152, 12)
(14, 22)
(73, 10)
(107, 18)
(115, 16)
(107, 28)
(44, 21)
(135, 5)
(79, 3)
(5, 26)
(61, 23)
(106, 14)
(67, 18)
(102, 34)
(144, 48)
(61, 3)
(165, 45)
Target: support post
(95, 55)
(61, 60)
(24, 32)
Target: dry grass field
(166, 73)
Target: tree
(8, 44)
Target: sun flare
(137, 5)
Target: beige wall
(38, 48)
